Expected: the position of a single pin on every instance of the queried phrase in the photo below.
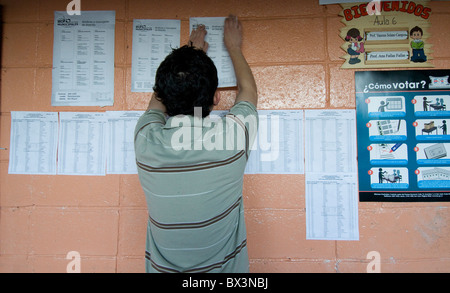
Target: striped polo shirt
(191, 170)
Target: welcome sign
(386, 34)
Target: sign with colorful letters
(386, 34)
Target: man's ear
(216, 98)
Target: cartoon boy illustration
(355, 48)
(417, 45)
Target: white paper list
(121, 157)
(331, 175)
(331, 207)
(217, 50)
(330, 141)
(153, 40)
(82, 143)
(83, 59)
(278, 147)
(33, 143)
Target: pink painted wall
(293, 49)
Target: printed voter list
(33, 147)
(331, 197)
(83, 59)
(153, 40)
(217, 50)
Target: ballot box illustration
(429, 127)
(431, 130)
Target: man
(190, 166)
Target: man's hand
(232, 33)
(232, 37)
(197, 38)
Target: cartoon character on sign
(444, 127)
(417, 45)
(383, 106)
(381, 174)
(425, 104)
(356, 47)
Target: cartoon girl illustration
(355, 48)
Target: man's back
(191, 170)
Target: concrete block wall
(293, 47)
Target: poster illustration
(403, 141)
(383, 34)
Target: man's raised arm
(247, 90)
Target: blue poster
(403, 141)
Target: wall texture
(293, 48)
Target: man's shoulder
(243, 108)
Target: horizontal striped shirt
(191, 170)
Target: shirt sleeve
(247, 115)
(152, 116)
(246, 112)
(244, 108)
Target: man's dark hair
(187, 78)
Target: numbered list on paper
(331, 175)
(82, 143)
(33, 143)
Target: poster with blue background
(403, 142)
